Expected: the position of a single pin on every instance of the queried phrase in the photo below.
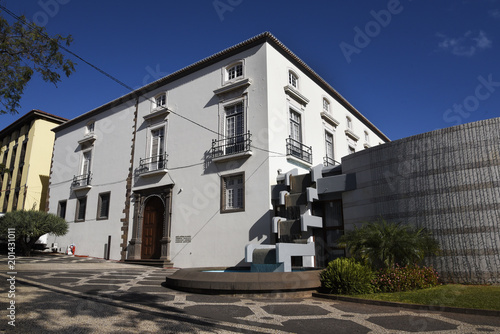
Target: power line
(34, 27)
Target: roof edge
(251, 42)
(33, 114)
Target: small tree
(31, 225)
(383, 245)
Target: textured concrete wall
(446, 180)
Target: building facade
(188, 161)
(25, 156)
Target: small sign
(183, 239)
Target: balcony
(328, 161)
(296, 149)
(231, 147)
(155, 165)
(82, 182)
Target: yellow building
(25, 158)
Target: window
(367, 137)
(351, 149)
(157, 148)
(15, 200)
(90, 127)
(61, 209)
(235, 128)
(23, 152)
(86, 162)
(295, 126)
(13, 157)
(293, 80)
(233, 193)
(4, 159)
(19, 177)
(348, 123)
(329, 148)
(326, 106)
(160, 101)
(83, 180)
(234, 72)
(81, 207)
(294, 145)
(103, 206)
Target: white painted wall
(217, 238)
(110, 163)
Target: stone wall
(446, 180)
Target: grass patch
(484, 297)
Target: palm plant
(384, 245)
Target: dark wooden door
(152, 229)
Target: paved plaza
(65, 294)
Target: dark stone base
(298, 283)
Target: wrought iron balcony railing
(154, 163)
(329, 161)
(83, 180)
(296, 149)
(231, 145)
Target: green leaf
(24, 50)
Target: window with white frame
(329, 151)
(351, 149)
(157, 152)
(235, 127)
(86, 163)
(234, 72)
(326, 106)
(348, 123)
(160, 101)
(295, 126)
(367, 137)
(233, 193)
(293, 79)
(90, 127)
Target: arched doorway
(152, 228)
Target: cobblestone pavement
(63, 294)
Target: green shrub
(411, 277)
(346, 276)
(383, 244)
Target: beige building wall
(26, 152)
(39, 154)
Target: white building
(181, 170)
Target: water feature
(270, 268)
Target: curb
(436, 308)
(141, 308)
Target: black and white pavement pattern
(64, 294)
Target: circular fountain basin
(241, 281)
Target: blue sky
(410, 66)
